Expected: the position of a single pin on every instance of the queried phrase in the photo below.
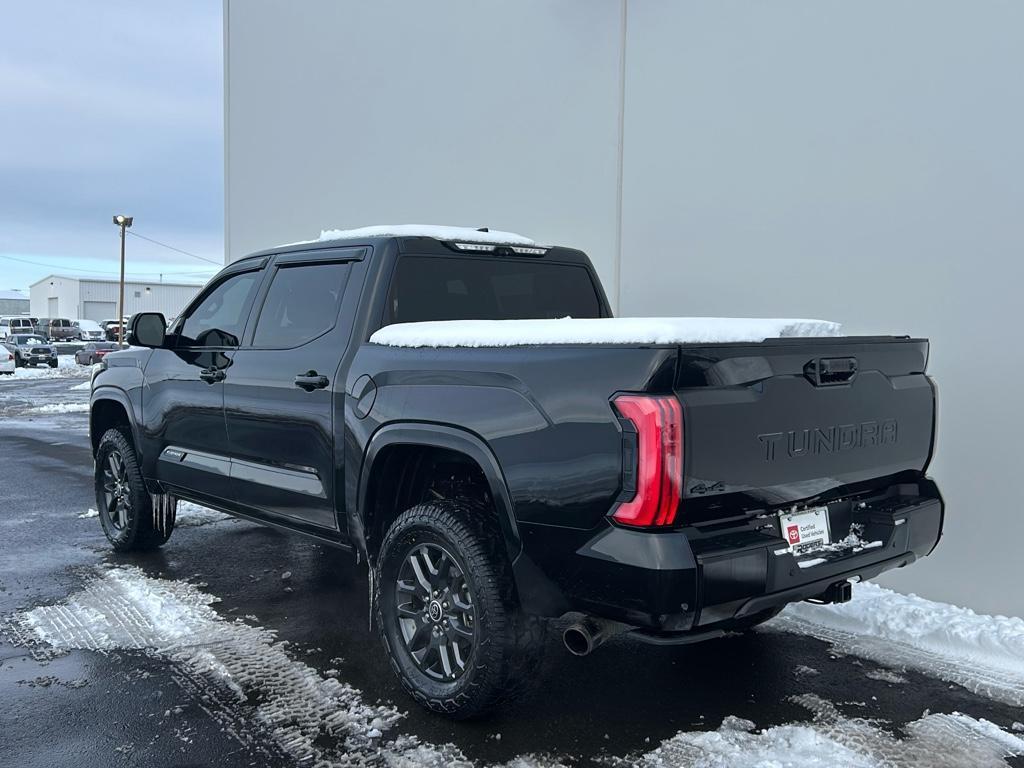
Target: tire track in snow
(243, 675)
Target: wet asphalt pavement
(127, 708)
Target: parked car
(113, 332)
(89, 330)
(41, 326)
(7, 365)
(111, 329)
(12, 325)
(619, 475)
(61, 329)
(94, 351)
(31, 350)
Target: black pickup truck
(674, 491)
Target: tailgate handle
(831, 371)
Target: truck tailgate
(784, 421)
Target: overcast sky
(105, 108)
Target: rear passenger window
(302, 303)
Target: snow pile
(440, 232)
(90, 513)
(984, 654)
(59, 408)
(832, 739)
(125, 609)
(85, 385)
(885, 676)
(617, 330)
(66, 368)
(191, 515)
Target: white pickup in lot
(6, 361)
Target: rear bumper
(700, 579)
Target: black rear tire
(124, 503)
(499, 662)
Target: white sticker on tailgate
(805, 530)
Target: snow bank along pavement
(608, 330)
(59, 408)
(984, 654)
(66, 368)
(320, 719)
(832, 740)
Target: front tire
(53, 363)
(125, 505)
(446, 612)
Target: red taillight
(659, 462)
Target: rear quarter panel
(543, 411)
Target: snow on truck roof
(439, 232)
(617, 330)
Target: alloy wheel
(117, 490)
(434, 610)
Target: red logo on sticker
(793, 532)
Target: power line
(63, 268)
(171, 247)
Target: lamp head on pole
(123, 221)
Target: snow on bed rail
(460, 234)
(618, 330)
(984, 654)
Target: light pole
(123, 222)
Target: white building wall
(475, 114)
(140, 297)
(64, 289)
(73, 293)
(859, 162)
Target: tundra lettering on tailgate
(841, 437)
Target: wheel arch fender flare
(119, 396)
(450, 438)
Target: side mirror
(147, 329)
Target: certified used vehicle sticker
(805, 530)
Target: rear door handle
(212, 375)
(311, 380)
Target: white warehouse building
(96, 298)
(858, 162)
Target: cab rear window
(467, 288)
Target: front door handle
(311, 380)
(212, 375)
